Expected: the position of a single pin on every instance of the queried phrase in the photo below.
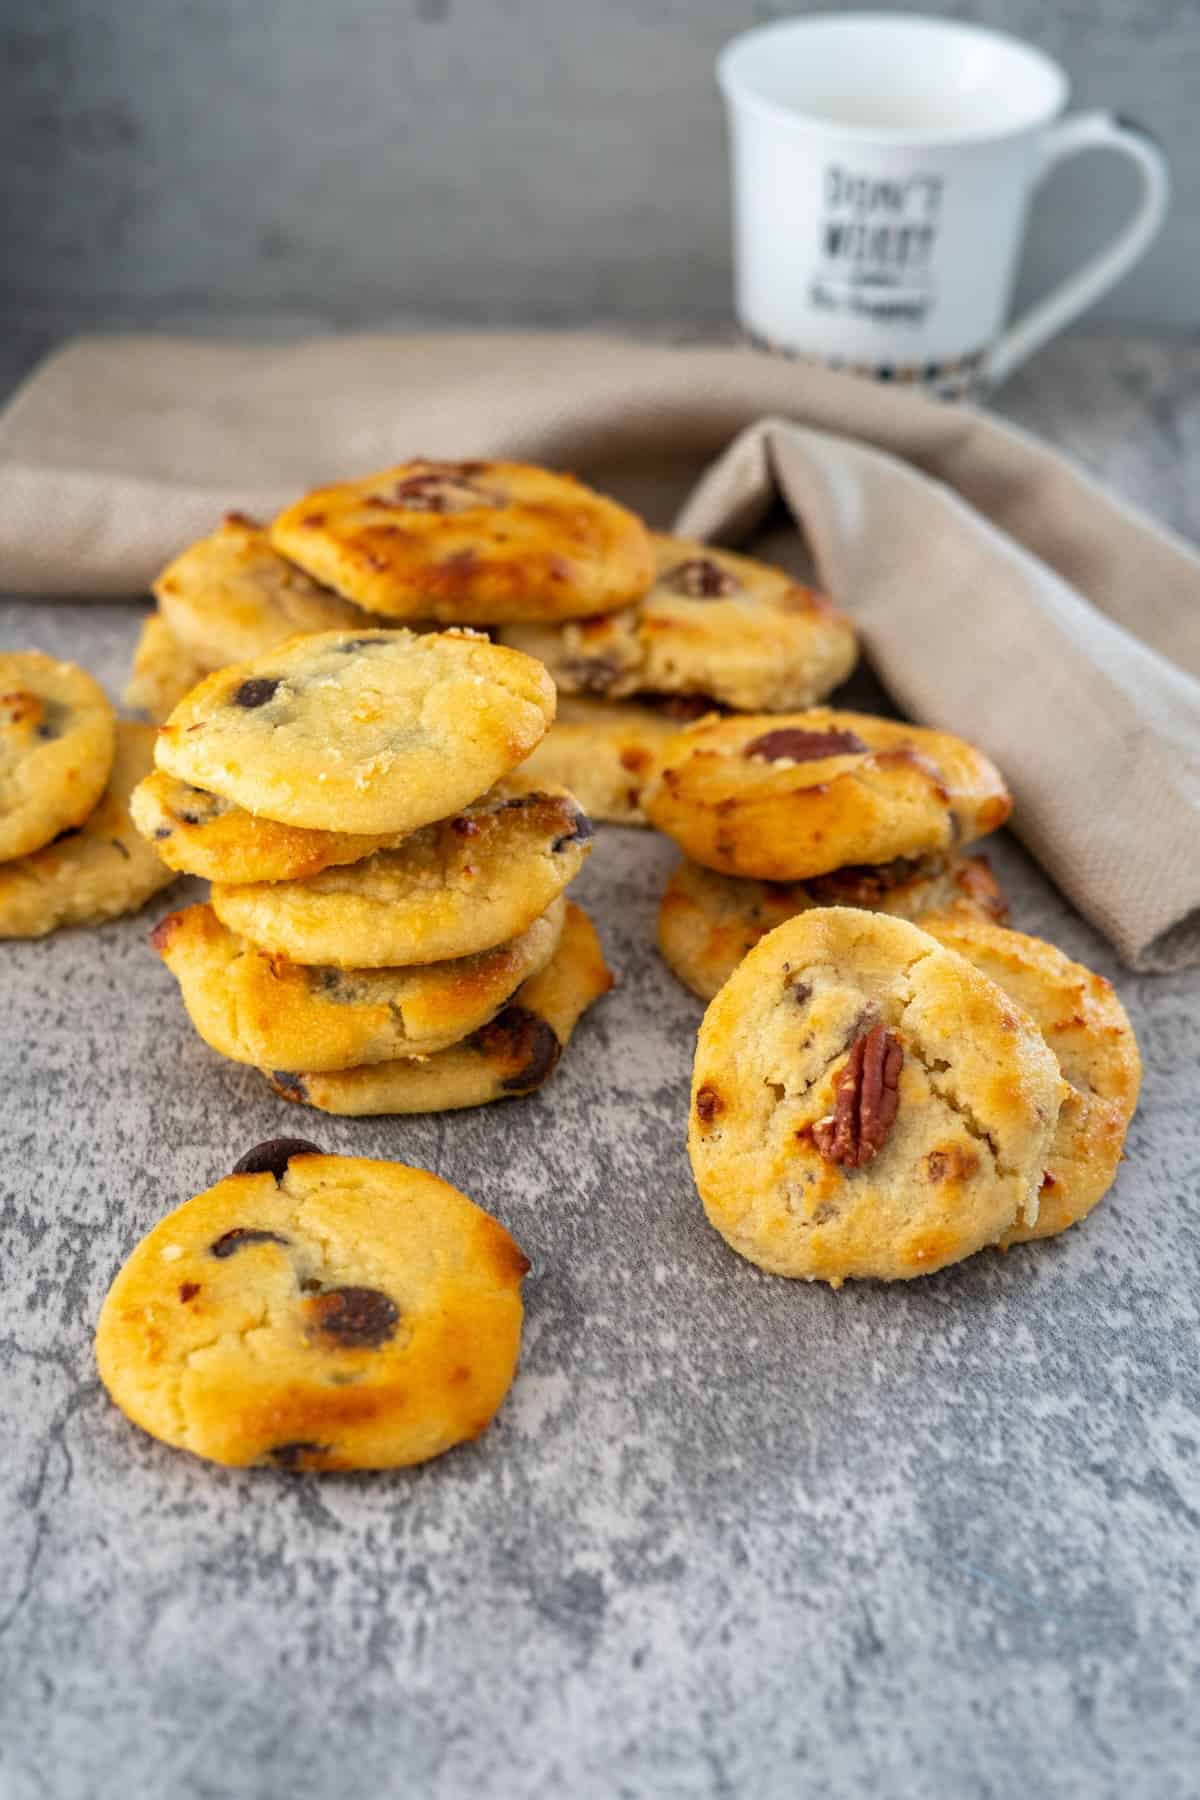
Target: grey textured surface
(517, 161)
(729, 1535)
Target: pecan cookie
(462, 885)
(708, 922)
(316, 1312)
(472, 543)
(264, 1010)
(162, 672)
(199, 833)
(510, 1057)
(97, 871)
(714, 624)
(785, 798)
(1086, 1027)
(377, 731)
(604, 751)
(865, 1103)
(231, 597)
(57, 738)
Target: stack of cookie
(69, 854)
(779, 814)
(387, 929)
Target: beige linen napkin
(999, 592)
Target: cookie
(162, 672)
(510, 1057)
(1086, 1027)
(57, 739)
(866, 1104)
(101, 869)
(465, 884)
(231, 597)
(471, 543)
(786, 797)
(199, 833)
(264, 1010)
(316, 1312)
(708, 922)
(714, 624)
(604, 751)
(379, 731)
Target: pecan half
(791, 743)
(868, 1096)
(437, 489)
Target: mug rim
(738, 88)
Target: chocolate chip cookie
(57, 740)
(511, 1056)
(866, 1103)
(469, 543)
(787, 797)
(1086, 1027)
(96, 871)
(465, 884)
(714, 624)
(272, 1013)
(231, 596)
(377, 731)
(708, 922)
(316, 1312)
(202, 834)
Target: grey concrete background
(530, 160)
(730, 1536)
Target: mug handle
(1089, 131)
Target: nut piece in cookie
(316, 1312)
(100, 869)
(230, 596)
(788, 798)
(474, 880)
(266, 1010)
(473, 543)
(512, 1056)
(1086, 1027)
(718, 625)
(57, 740)
(372, 732)
(708, 922)
(865, 1103)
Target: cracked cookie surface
(801, 1161)
(98, 871)
(1086, 1027)
(273, 1013)
(471, 881)
(473, 543)
(714, 624)
(513, 1055)
(57, 741)
(708, 922)
(785, 797)
(231, 596)
(375, 732)
(203, 834)
(316, 1312)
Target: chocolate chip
(257, 691)
(188, 1290)
(581, 830)
(700, 578)
(708, 1103)
(289, 1456)
(290, 1086)
(232, 1241)
(522, 1036)
(358, 643)
(163, 831)
(793, 744)
(354, 1317)
(273, 1157)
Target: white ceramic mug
(883, 165)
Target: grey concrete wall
(519, 159)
